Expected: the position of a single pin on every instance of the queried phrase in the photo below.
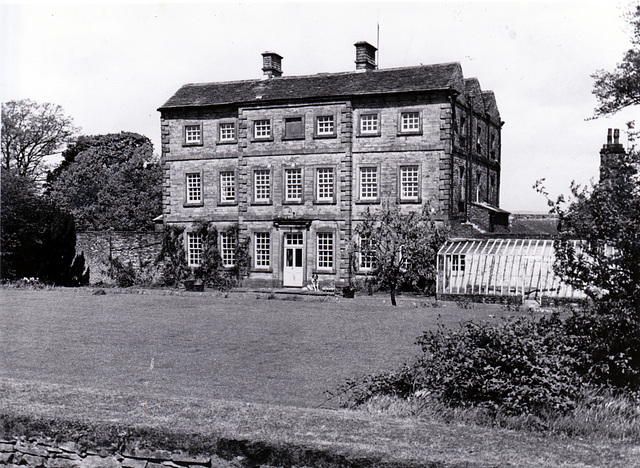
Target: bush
(518, 366)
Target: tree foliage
(30, 132)
(402, 247)
(621, 88)
(109, 182)
(38, 239)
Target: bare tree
(30, 132)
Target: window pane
(194, 188)
(262, 129)
(367, 254)
(293, 189)
(227, 132)
(263, 249)
(409, 183)
(325, 125)
(194, 249)
(324, 184)
(227, 186)
(368, 182)
(410, 121)
(262, 185)
(228, 249)
(192, 134)
(325, 250)
(369, 123)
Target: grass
(209, 346)
(246, 368)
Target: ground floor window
(262, 249)
(228, 249)
(367, 254)
(194, 249)
(325, 250)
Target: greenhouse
(501, 269)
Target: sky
(110, 66)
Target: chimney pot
(609, 141)
(271, 64)
(365, 56)
(616, 136)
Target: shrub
(124, 274)
(518, 366)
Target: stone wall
(138, 248)
(44, 452)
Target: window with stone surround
(409, 183)
(293, 128)
(193, 186)
(293, 185)
(228, 249)
(325, 125)
(366, 261)
(262, 249)
(193, 134)
(324, 244)
(262, 185)
(227, 187)
(369, 183)
(262, 129)
(194, 249)
(324, 184)
(369, 124)
(410, 122)
(227, 132)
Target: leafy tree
(109, 182)
(401, 246)
(38, 239)
(30, 132)
(621, 88)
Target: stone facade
(296, 161)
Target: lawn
(239, 347)
(247, 368)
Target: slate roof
(443, 76)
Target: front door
(293, 274)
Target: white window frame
(368, 184)
(325, 125)
(193, 188)
(194, 249)
(262, 129)
(262, 186)
(370, 124)
(410, 122)
(325, 248)
(410, 183)
(262, 250)
(457, 264)
(325, 189)
(366, 261)
(193, 134)
(227, 187)
(227, 132)
(228, 249)
(293, 184)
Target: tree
(621, 88)
(109, 182)
(401, 247)
(30, 132)
(38, 239)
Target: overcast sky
(111, 66)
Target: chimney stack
(365, 56)
(610, 155)
(271, 65)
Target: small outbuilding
(501, 269)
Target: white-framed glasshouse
(501, 269)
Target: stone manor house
(296, 161)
